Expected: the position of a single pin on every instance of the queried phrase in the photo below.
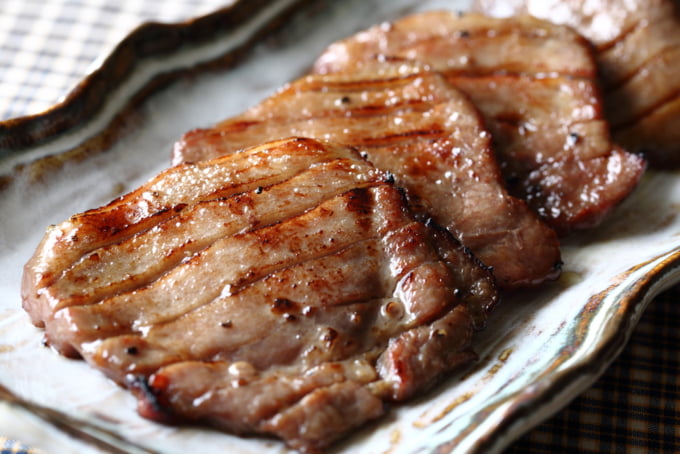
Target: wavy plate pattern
(540, 349)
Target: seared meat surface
(638, 50)
(535, 84)
(286, 289)
(409, 121)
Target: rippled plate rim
(148, 40)
(636, 288)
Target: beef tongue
(409, 121)
(536, 85)
(286, 289)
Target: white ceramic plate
(539, 351)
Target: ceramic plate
(116, 130)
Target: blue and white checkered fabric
(46, 47)
(9, 446)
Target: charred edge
(148, 403)
(438, 229)
(442, 234)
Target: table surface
(46, 47)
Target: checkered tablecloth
(9, 446)
(635, 406)
(47, 46)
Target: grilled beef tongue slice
(410, 121)
(536, 85)
(637, 45)
(285, 290)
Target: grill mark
(542, 78)
(319, 257)
(640, 116)
(107, 218)
(348, 86)
(269, 423)
(363, 111)
(361, 202)
(364, 301)
(334, 374)
(635, 71)
(244, 280)
(161, 215)
(235, 126)
(120, 203)
(378, 110)
(504, 71)
(148, 280)
(372, 111)
(117, 208)
(407, 136)
(173, 357)
(516, 121)
(355, 202)
(254, 184)
(236, 289)
(126, 331)
(353, 89)
(465, 34)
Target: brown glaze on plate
(538, 352)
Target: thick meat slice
(285, 289)
(175, 192)
(535, 84)
(320, 402)
(411, 122)
(638, 51)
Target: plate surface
(540, 349)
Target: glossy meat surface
(411, 122)
(535, 84)
(638, 51)
(286, 289)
